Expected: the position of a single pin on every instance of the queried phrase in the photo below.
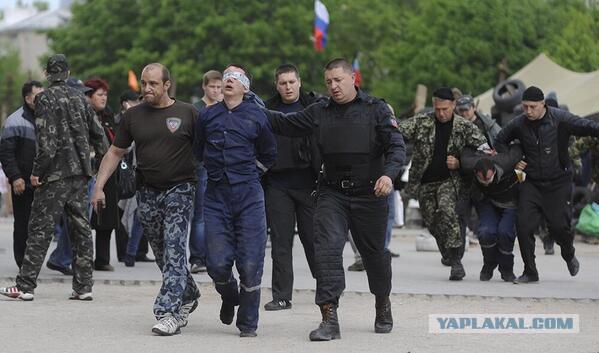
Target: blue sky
(7, 3)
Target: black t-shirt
(437, 170)
(163, 142)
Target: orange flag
(133, 81)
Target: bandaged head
(239, 76)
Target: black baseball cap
(77, 84)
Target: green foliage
(11, 80)
(41, 6)
(402, 43)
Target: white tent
(579, 91)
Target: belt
(351, 188)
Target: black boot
(444, 257)
(383, 323)
(457, 270)
(329, 327)
(573, 266)
(506, 266)
(490, 257)
(227, 312)
(529, 275)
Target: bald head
(165, 74)
(155, 83)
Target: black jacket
(110, 216)
(388, 142)
(545, 142)
(17, 145)
(503, 190)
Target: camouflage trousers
(164, 216)
(51, 200)
(438, 208)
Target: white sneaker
(185, 310)
(83, 296)
(167, 326)
(16, 293)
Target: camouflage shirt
(420, 131)
(579, 147)
(66, 132)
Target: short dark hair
(286, 68)
(239, 66)
(211, 75)
(28, 88)
(128, 95)
(339, 63)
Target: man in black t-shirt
(163, 131)
(288, 192)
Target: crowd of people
(215, 176)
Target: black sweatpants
(366, 218)
(283, 208)
(551, 201)
(21, 206)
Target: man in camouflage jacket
(66, 133)
(434, 179)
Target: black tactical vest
(347, 143)
(292, 153)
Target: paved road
(414, 272)
(120, 318)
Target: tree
(402, 43)
(41, 6)
(10, 84)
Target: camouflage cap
(57, 68)
(464, 102)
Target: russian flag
(356, 67)
(321, 25)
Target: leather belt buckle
(346, 184)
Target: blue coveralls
(232, 143)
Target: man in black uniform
(288, 193)
(362, 151)
(544, 134)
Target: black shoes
(143, 258)
(527, 278)
(106, 267)
(445, 261)
(277, 305)
(64, 270)
(329, 327)
(573, 266)
(357, 266)
(486, 273)
(248, 333)
(227, 313)
(457, 271)
(508, 276)
(129, 260)
(383, 322)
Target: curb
(431, 297)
